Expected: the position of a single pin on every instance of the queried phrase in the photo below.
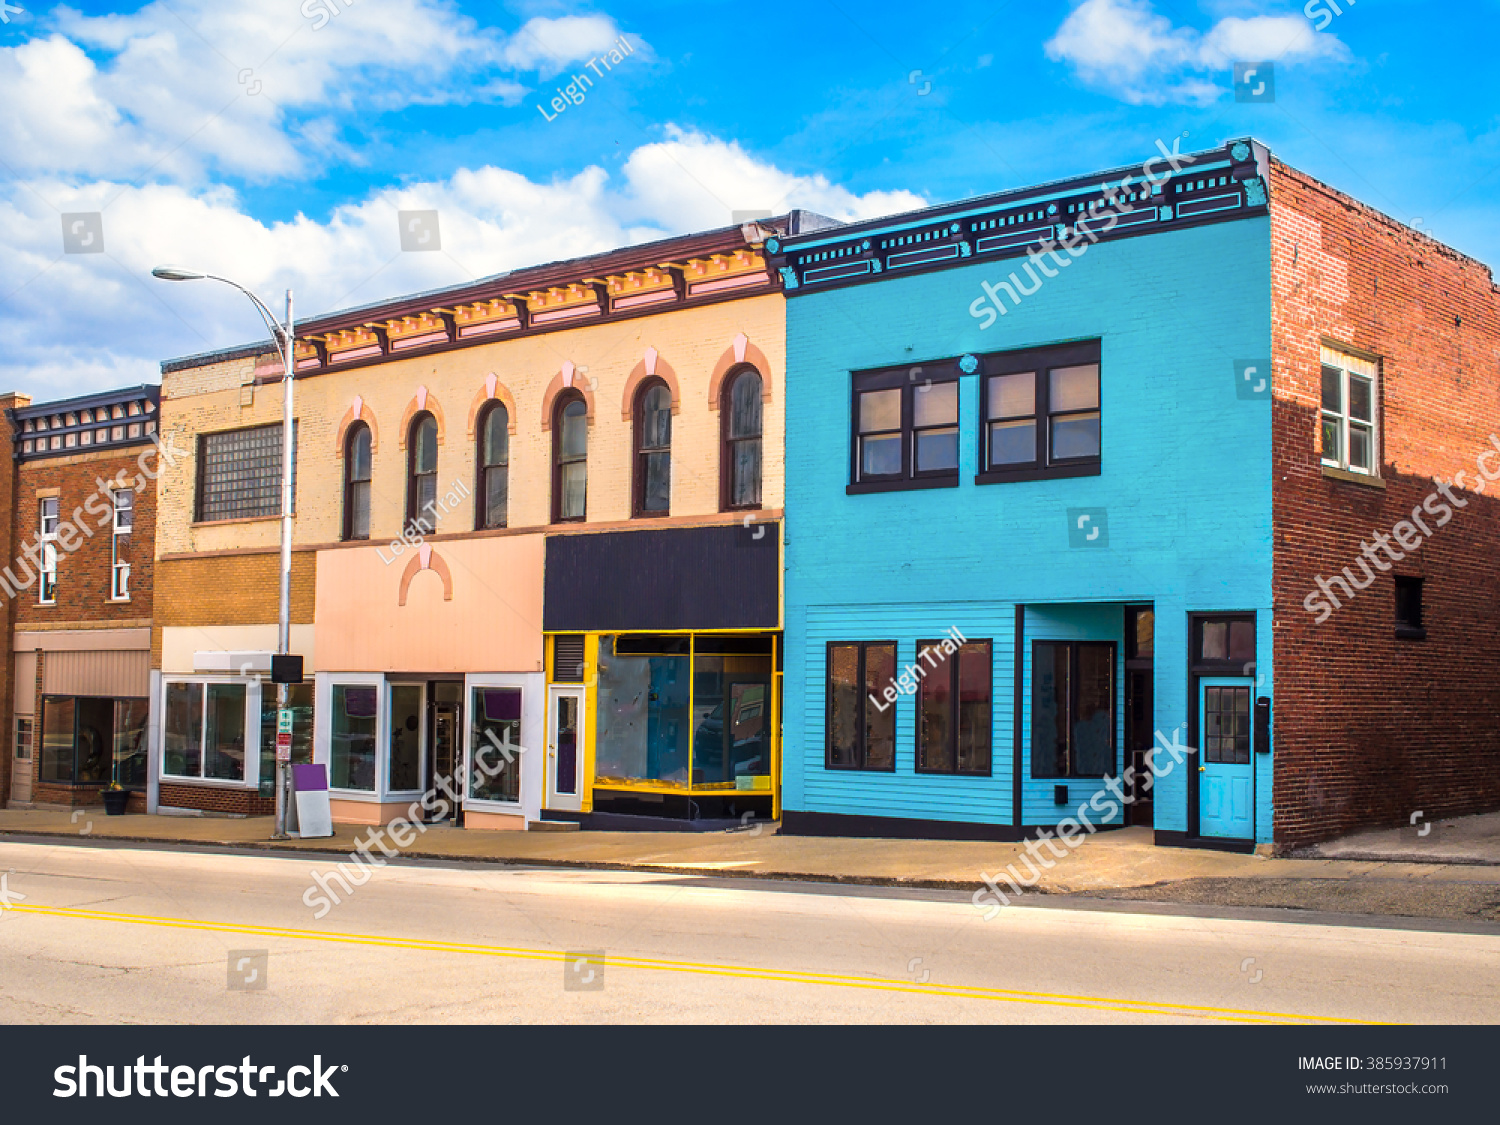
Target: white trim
(251, 778)
(1350, 365)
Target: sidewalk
(1465, 840)
(1121, 863)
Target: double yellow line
(746, 972)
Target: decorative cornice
(1218, 185)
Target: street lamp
(284, 339)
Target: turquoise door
(1226, 773)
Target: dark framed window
(1226, 725)
(652, 486)
(1223, 643)
(905, 428)
(90, 740)
(1041, 412)
(239, 474)
(421, 469)
(1409, 608)
(953, 708)
(357, 474)
(861, 724)
(739, 458)
(494, 467)
(1072, 708)
(570, 458)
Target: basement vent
(567, 659)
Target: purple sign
(359, 702)
(310, 778)
(502, 705)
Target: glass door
(565, 749)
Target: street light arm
(278, 331)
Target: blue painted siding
(1186, 482)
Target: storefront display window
(731, 710)
(644, 710)
(495, 744)
(204, 731)
(405, 761)
(352, 749)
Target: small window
(47, 587)
(740, 457)
(1409, 608)
(570, 458)
(861, 722)
(953, 710)
(1348, 414)
(1226, 725)
(905, 428)
(1072, 709)
(23, 739)
(494, 466)
(421, 471)
(1223, 643)
(653, 450)
(119, 547)
(1041, 414)
(358, 470)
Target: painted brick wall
(690, 341)
(1370, 729)
(1185, 481)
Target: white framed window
(1349, 434)
(207, 730)
(119, 587)
(23, 738)
(47, 588)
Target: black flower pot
(115, 801)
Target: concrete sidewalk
(1102, 865)
(1463, 840)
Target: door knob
(1202, 769)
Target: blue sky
(267, 141)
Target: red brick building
(1386, 413)
(77, 585)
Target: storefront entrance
(445, 739)
(565, 749)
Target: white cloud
(550, 45)
(79, 322)
(1126, 47)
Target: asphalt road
(135, 935)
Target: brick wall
(1370, 729)
(247, 802)
(7, 657)
(235, 589)
(83, 574)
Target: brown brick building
(1386, 679)
(78, 597)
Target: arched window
(570, 457)
(739, 460)
(357, 482)
(494, 466)
(421, 470)
(653, 450)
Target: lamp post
(283, 337)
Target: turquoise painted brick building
(1028, 512)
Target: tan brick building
(443, 443)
